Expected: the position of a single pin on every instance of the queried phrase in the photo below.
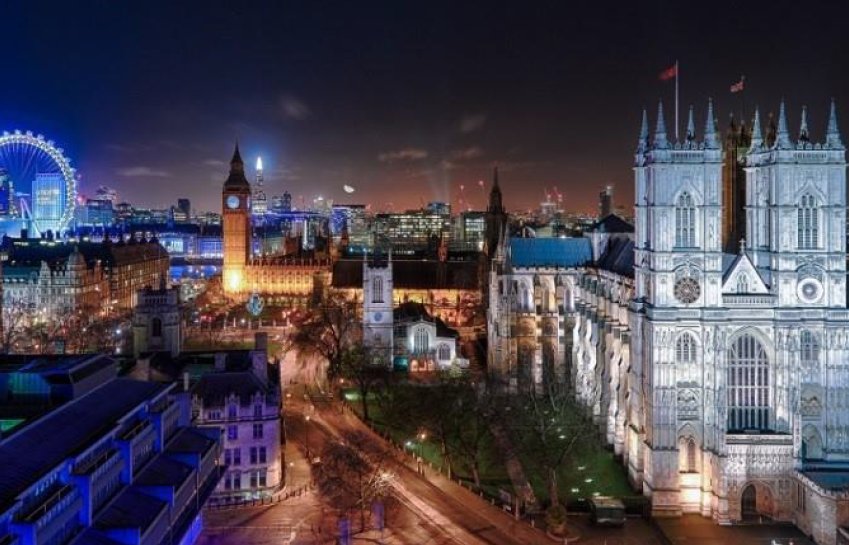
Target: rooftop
(131, 509)
(550, 252)
(44, 443)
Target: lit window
(685, 349)
(685, 222)
(748, 385)
(807, 214)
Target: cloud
(293, 108)
(472, 122)
(142, 172)
(406, 154)
(465, 154)
(215, 163)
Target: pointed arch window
(421, 341)
(748, 385)
(685, 349)
(742, 284)
(444, 352)
(685, 222)
(809, 355)
(377, 290)
(807, 215)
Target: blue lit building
(48, 201)
(116, 464)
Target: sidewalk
(698, 530)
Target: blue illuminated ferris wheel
(37, 183)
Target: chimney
(220, 361)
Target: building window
(237, 481)
(444, 352)
(742, 284)
(253, 455)
(257, 429)
(262, 478)
(748, 385)
(262, 457)
(232, 432)
(685, 222)
(254, 478)
(257, 411)
(227, 457)
(156, 328)
(420, 341)
(377, 289)
(237, 456)
(685, 349)
(232, 412)
(807, 214)
(809, 355)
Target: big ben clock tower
(236, 224)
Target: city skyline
(340, 95)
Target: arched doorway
(749, 504)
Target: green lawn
(591, 470)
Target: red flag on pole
(669, 73)
(738, 87)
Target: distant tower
(605, 202)
(737, 142)
(236, 223)
(156, 321)
(496, 217)
(377, 308)
(259, 207)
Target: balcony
(45, 504)
(748, 300)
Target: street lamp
(422, 437)
(307, 434)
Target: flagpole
(677, 72)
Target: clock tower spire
(236, 226)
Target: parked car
(607, 511)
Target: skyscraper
(259, 206)
(48, 201)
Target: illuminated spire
(691, 126)
(643, 142)
(783, 135)
(710, 128)
(757, 137)
(803, 127)
(259, 163)
(832, 133)
(660, 141)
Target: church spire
(691, 127)
(660, 141)
(783, 135)
(495, 201)
(643, 141)
(832, 133)
(710, 128)
(236, 162)
(757, 138)
(803, 127)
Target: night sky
(403, 100)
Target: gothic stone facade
(722, 380)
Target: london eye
(38, 186)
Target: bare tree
(356, 365)
(474, 414)
(353, 473)
(328, 330)
(15, 315)
(550, 425)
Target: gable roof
(550, 252)
(743, 265)
(618, 257)
(612, 223)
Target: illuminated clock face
(232, 201)
(378, 316)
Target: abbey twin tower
(711, 342)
